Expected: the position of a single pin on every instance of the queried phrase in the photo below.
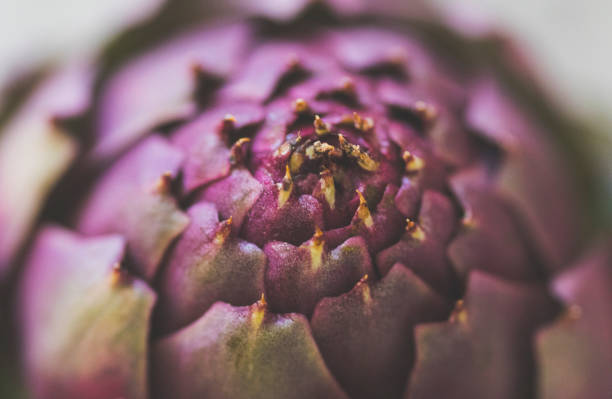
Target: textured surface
(308, 225)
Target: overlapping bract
(325, 202)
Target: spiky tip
(363, 212)
(223, 231)
(459, 313)
(425, 110)
(316, 246)
(285, 187)
(321, 128)
(328, 188)
(118, 274)
(414, 230)
(229, 122)
(258, 310)
(163, 184)
(238, 150)
(300, 106)
(413, 163)
(363, 124)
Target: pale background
(569, 40)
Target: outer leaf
(242, 353)
(35, 152)
(85, 322)
(133, 199)
(484, 351)
(365, 335)
(575, 353)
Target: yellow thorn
(318, 234)
(363, 212)
(459, 313)
(363, 124)
(366, 162)
(236, 153)
(425, 110)
(413, 162)
(117, 274)
(162, 184)
(285, 188)
(316, 249)
(295, 161)
(223, 231)
(321, 128)
(287, 173)
(366, 294)
(300, 106)
(328, 188)
(228, 123)
(258, 312)
(355, 152)
(414, 230)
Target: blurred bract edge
(43, 111)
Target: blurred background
(568, 40)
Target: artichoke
(324, 200)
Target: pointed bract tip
(228, 123)
(285, 187)
(258, 310)
(362, 200)
(296, 161)
(328, 188)
(321, 128)
(354, 151)
(426, 110)
(366, 294)
(229, 118)
(238, 150)
(367, 163)
(316, 248)
(300, 106)
(415, 231)
(287, 173)
(262, 301)
(118, 274)
(363, 212)
(459, 313)
(347, 84)
(468, 221)
(223, 231)
(163, 183)
(363, 124)
(413, 163)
